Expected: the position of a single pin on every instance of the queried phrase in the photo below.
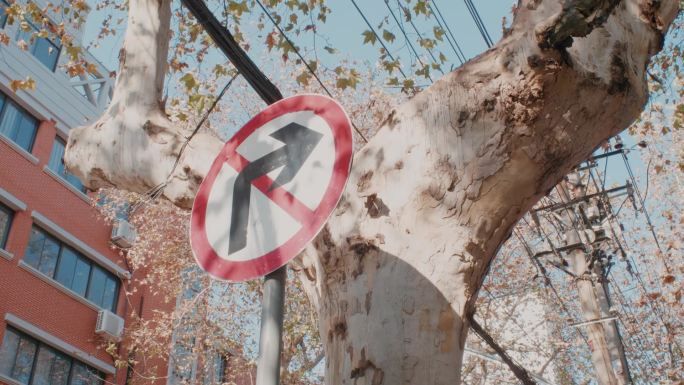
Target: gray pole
(270, 338)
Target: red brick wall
(25, 295)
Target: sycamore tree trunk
(433, 195)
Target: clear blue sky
(345, 26)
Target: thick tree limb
(578, 19)
(455, 167)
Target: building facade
(62, 283)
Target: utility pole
(582, 216)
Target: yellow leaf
(27, 84)
(668, 278)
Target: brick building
(59, 273)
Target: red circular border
(333, 114)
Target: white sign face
(271, 188)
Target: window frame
(3, 109)
(63, 173)
(53, 40)
(73, 362)
(79, 256)
(4, 237)
(3, 18)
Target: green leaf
(189, 81)
(421, 7)
(439, 33)
(342, 83)
(425, 71)
(427, 43)
(182, 117)
(368, 37)
(388, 36)
(73, 52)
(390, 66)
(303, 78)
(237, 8)
(408, 84)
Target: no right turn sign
(272, 188)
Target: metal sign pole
(270, 338)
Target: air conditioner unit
(109, 325)
(123, 234)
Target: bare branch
(520, 372)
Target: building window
(56, 164)
(31, 362)
(6, 215)
(74, 271)
(16, 124)
(45, 49)
(3, 16)
(215, 370)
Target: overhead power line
(378, 38)
(420, 36)
(306, 63)
(641, 202)
(408, 41)
(479, 23)
(449, 35)
(230, 47)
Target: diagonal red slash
(280, 196)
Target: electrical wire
(420, 36)
(408, 41)
(158, 190)
(296, 50)
(478, 22)
(548, 284)
(642, 203)
(629, 313)
(450, 36)
(378, 38)
(634, 267)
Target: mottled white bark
(433, 195)
(134, 145)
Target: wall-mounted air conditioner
(123, 234)
(109, 325)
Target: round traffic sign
(271, 188)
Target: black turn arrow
(299, 144)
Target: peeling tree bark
(434, 194)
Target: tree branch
(577, 19)
(520, 372)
